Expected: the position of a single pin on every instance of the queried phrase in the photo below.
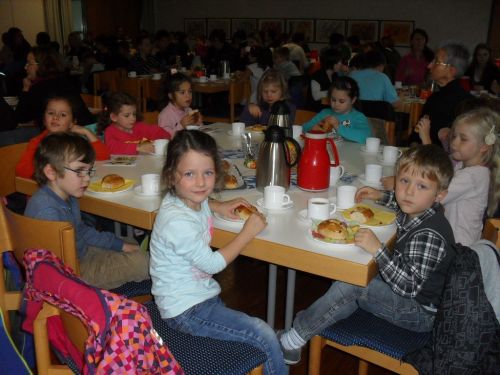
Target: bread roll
(244, 212)
(230, 182)
(361, 214)
(332, 229)
(226, 166)
(112, 181)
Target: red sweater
(25, 167)
(123, 143)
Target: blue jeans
(212, 318)
(342, 299)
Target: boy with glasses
(63, 167)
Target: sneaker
(291, 356)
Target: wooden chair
(151, 117)
(18, 233)
(239, 90)
(302, 116)
(105, 81)
(384, 111)
(152, 90)
(381, 129)
(135, 87)
(491, 231)
(9, 157)
(92, 101)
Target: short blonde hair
(431, 161)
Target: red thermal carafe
(314, 165)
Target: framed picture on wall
(301, 26)
(194, 27)
(248, 25)
(326, 27)
(219, 23)
(399, 31)
(272, 24)
(366, 30)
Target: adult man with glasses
(439, 112)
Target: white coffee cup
(335, 174)
(150, 183)
(275, 197)
(156, 76)
(296, 131)
(160, 146)
(227, 75)
(320, 208)
(345, 196)
(372, 144)
(213, 77)
(391, 154)
(373, 173)
(132, 74)
(203, 79)
(238, 128)
(398, 84)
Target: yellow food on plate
(109, 187)
(335, 231)
(369, 215)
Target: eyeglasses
(434, 62)
(82, 172)
(28, 64)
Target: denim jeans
(212, 318)
(342, 299)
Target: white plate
(373, 184)
(228, 219)
(337, 246)
(193, 127)
(129, 185)
(260, 203)
(381, 160)
(138, 191)
(363, 150)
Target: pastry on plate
(226, 166)
(360, 214)
(244, 212)
(230, 181)
(112, 182)
(336, 231)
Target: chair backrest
(18, 233)
(491, 231)
(105, 81)
(153, 89)
(151, 117)
(9, 157)
(92, 101)
(135, 87)
(239, 91)
(302, 116)
(378, 129)
(378, 109)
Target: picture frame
(399, 31)
(366, 30)
(305, 26)
(248, 25)
(325, 27)
(275, 24)
(194, 27)
(219, 23)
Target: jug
(224, 69)
(313, 173)
(280, 116)
(277, 154)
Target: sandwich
(195, 114)
(112, 182)
(333, 230)
(244, 212)
(226, 166)
(230, 181)
(360, 214)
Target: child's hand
(226, 209)
(254, 110)
(423, 128)
(388, 182)
(444, 135)
(189, 119)
(81, 130)
(254, 224)
(129, 247)
(331, 122)
(367, 240)
(367, 193)
(146, 147)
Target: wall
(464, 20)
(28, 15)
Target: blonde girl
(475, 187)
(271, 88)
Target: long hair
(274, 77)
(170, 85)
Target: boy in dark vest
(408, 288)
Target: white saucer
(260, 203)
(363, 150)
(138, 191)
(373, 184)
(381, 160)
(230, 132)
(302, 216)
(193, 127)
(227, 219)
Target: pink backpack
(121, 336)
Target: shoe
(291, 356)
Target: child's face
(70, 184)
(195, 178)
(341, 102)
(126, 118)
(183, 96)
(464, 145)
(415, 193)
(58, 116)
(271, 93)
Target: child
(411, 277)
(63, 167)
(272, 88)
(178, 114)
(282, 63)
(58, 117)
(125, 135)
(182, 262)
(475, 186)
(342, 117)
